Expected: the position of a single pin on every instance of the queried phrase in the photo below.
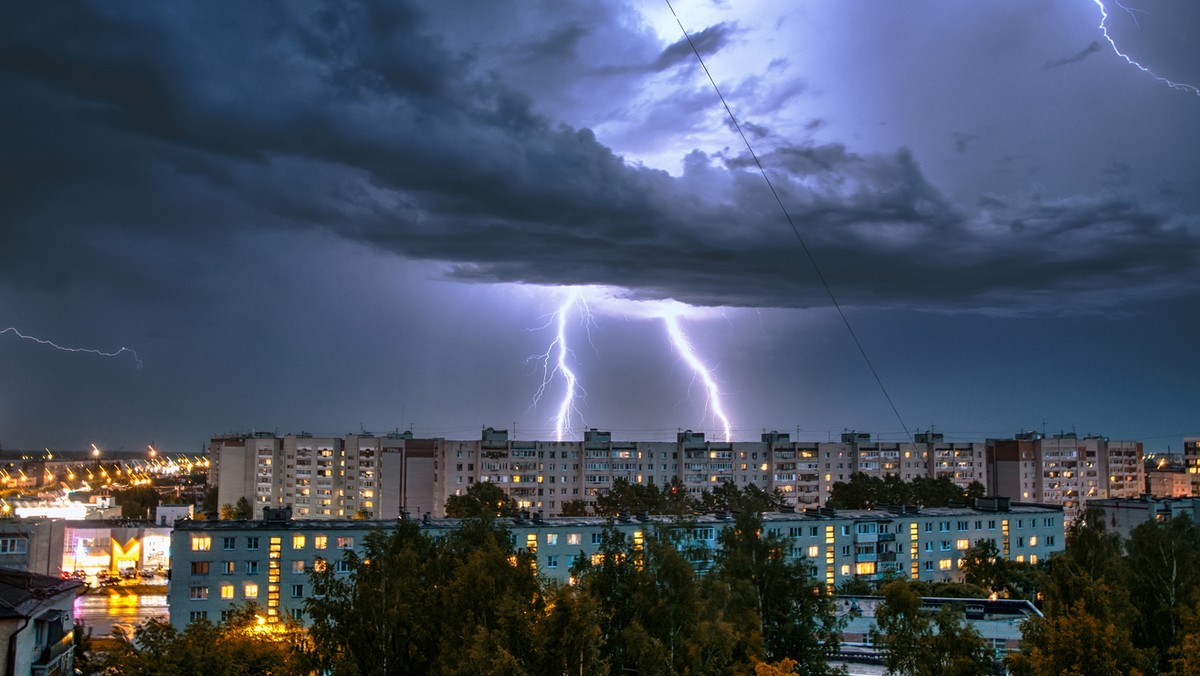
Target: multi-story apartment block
(1065, 469)
(327, 477)
(1191, 461)
(337, 477)
(217, 564)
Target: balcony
(56, 657)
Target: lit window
(551, 539)
(864, 568)
(250, 591)
(962, 544)
(345, 542)
(226, 591)
(318, 565)
(845, 569)
(1032, 540)
(814, 551)
(298, 566)
(320, 542)
(297, 542)
(201, 543)
(574, 538)
(945, 564)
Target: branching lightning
(1181, 86)
(554, 363)
(75, 349)
(684, 347)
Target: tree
(243, 510)
(1088, 615)
(729, 497)
(1164, 577)
(482, 500)
(776, 596)
(573, 508)
(917, 645)
(466, 602)
(227, 513)
(209, 504)
(137, 502)
(237, 647)
(984, 566)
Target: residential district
(308, 499)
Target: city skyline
(372, 219)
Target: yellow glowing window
(1032, 540)
(297, 542)
(864, 568)
(944, 564)
(962, 544)
(319, 565)
(251, 590)
(1033, 558)
(226, 591)
(1020, 558)
(320, 541)
(201, 543)
(531, 541)
(814, 552)
(597, 559)
(845, 569)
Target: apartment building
(339, 477)
(327, 477)
(1064, 469)
(217, 564)
(1191, 462)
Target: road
(102, 608)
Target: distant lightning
(1181, 86)
(684, 347)
(555, 362)
(75, 349)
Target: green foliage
(482, 500)
(918, 643)
(210, 500)
(728, 497)
(137, 502)
(863, 491)
(1087, 627)
(631, 498)
(776, 596)
(237, 647)
(573, 508)
(1164, 564)
(242, 509)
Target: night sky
(328, 218)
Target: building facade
(1121, 516)
(1064, 469)
(218, 564)
(381, 477)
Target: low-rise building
(36, 625)
(1121, 516)
(217, 564)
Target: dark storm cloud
(140, 138)
(1082, 54)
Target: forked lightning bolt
(75, 349)
(557, 354)
(684, 348)
(1181, 86)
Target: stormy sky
(331, 218)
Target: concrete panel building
(217, 564)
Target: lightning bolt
(1181, 86)
(75, 349)
(684, 347)
(554, 363)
